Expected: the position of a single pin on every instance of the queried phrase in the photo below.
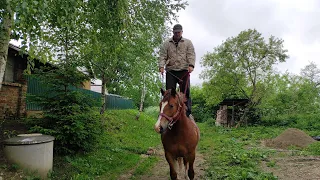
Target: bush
(67, 113)
(201, 113)
(310, 122)
(73, 133)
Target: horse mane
(167, 95)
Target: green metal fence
(112, 101)
(118, 102)
(34, 88)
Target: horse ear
(173, 92)
(162, 91)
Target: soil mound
(290, 137)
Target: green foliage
(116, 41)
(200, 109)
(68, 114)
(123, 44)
(241, 66)
(291, 101)
(122, 142)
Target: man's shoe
(191, 117)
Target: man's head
(177, 31)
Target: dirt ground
(295, 167)
(161, 170)
(287, 165)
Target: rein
(181, 81)
(172, 120)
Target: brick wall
(12, 100)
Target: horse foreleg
(190, 169)
(172, 162)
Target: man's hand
(190, 69)
(161, 70)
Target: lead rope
(181, 81)
(161, 78)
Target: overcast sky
(208, 22)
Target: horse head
(172, 107)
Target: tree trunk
(5, 30)
(103, 93)
(143, 93)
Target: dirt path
(295, 167)
(161, 170)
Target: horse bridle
(172, 120)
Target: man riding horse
(177, 56)
(179, 134)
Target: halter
(172, 120)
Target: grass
(144, 167)
(119, 151)
(234, 153)
(230, 153)
(237, 153)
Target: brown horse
(179, 134)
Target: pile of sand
(290, 137)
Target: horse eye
(171, 106)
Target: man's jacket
(177, 58)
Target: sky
(208, 22)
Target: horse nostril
(161, 130)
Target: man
(177, 57)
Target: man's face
(177, 35)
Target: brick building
(14, 86)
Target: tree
(123, 36)
(241, 66)
(287, 97)
(108, 37)
(32, 22)
(312, 73)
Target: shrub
(68, 114)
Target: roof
(83, 70)
(14, 47)
(236, 102)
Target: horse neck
(181, 122)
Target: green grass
(237, 153)
(230, 153)
(144, 167)
(121, 145)
(234, 153)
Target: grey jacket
(177, 58)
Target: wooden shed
(228, 112)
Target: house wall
(12, 100)
(87, 85)
(14, 88)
